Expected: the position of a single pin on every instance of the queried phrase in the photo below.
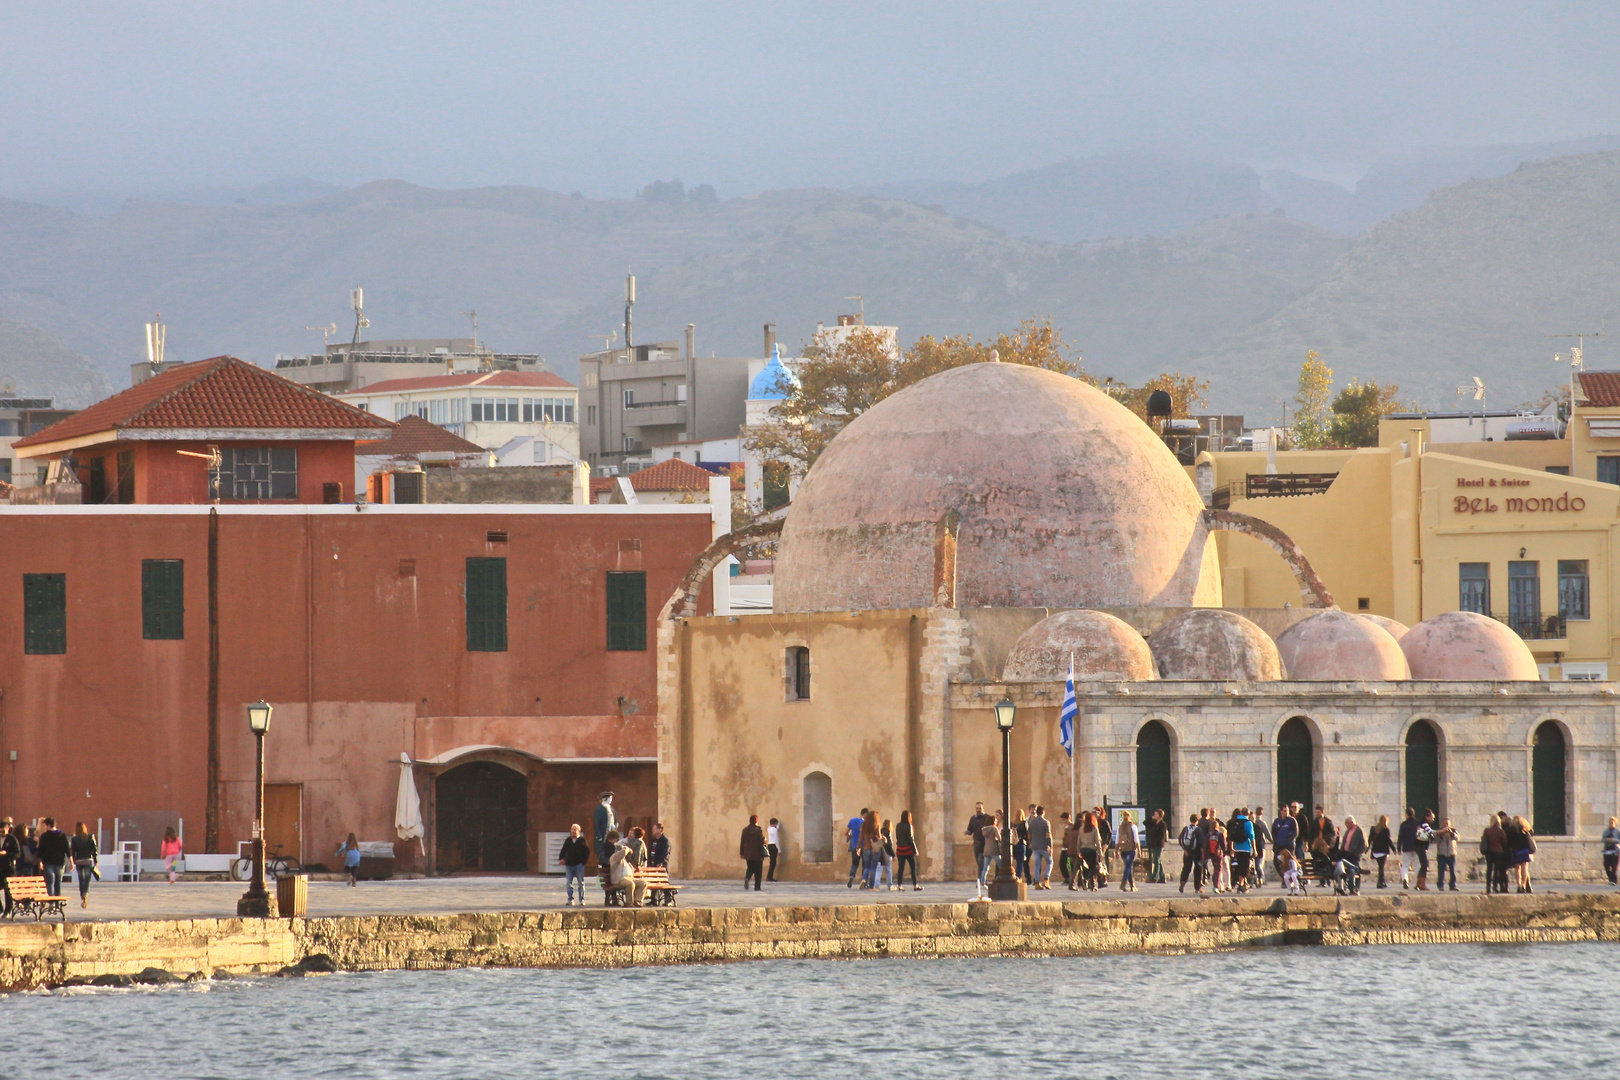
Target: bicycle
(275, 865)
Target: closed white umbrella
(408, 807)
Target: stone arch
(1297, 740)
(1422, 747)
(1550, 747)
(816, 798)
(1155, 778)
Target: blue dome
(774, 381)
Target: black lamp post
(255, 903)
(1006, 886)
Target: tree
(838, 381)
(1357, 410)
(1311, 426)
(1186, 391)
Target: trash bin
(292, 895)
(376, 860)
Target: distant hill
(35, 364)
(544, 272)
(1473, 282)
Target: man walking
(1406, 843)
(1069, 861)
(853, 831)
(1157, 834)
(1445, 854)
(53, 856)
(752, 851)
(975, 829)
(1284, 834)
(574, 855)
(1189, 853)
(604, 821)
(1347, 856)
(1040, 850)
(1425, 836)
(1611, 850)
(1262, 838)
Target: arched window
(818, 835)
(1548, 780)
(1296, 779)
(1153, 768)
(1423, 768)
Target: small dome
(1397, 630)
(1214, 645)
(774, 381)
(1462, 645)
(1335, 645)
(1105, 649)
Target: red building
(276, 441)
(508, 651)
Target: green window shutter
(163, 599)
(627, 611)
(44, 613)
(486, 605)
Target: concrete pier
(34, 955)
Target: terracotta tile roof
(671, 475)
(223, 392)
(503, 380)
(1601, 388)
(414, 435)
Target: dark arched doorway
(1296, 779)
(1423, 768)
(1153, 768)
(1548, 781)
(482, 818)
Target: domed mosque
(967, 543)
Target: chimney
(770, 338)
(691, 340)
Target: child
(170, 851)
(351, 862)
(1289, 865)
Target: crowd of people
(621, 857)
(40, 849)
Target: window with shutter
(163, 599)
(44, 613)
(626, 611)
(486, 605)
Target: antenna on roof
(474, 316)
(861, 300)
(1577, 356)
(629, 302)
(326, 332)
(1477, 392)
(357, 300)
(154, 342)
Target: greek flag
(1070, 711)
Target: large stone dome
(1214, 645)
(1065, 499)
(1463, 645)
(1103, 647)
(1338, 646)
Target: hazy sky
(604, 98)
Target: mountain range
(1211, 270)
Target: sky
(605, 98)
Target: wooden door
(284, 819)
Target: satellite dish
(1159, 404)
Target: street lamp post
(255, 903)
(1006, 886)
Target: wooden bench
(28, 894)
(659, 890)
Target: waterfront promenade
(459, 895)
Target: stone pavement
(456, 895)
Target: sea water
(1397, 1011)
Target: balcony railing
(653, 404)
(1534, 626)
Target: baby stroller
(1346, 878)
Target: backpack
(1214, 844)
(1188, 839)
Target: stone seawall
(33, 955)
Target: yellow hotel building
(1526, 530)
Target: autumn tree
(1357, 410)
(1312, 426)
(839, 380)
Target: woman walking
(82, 849)
(871, 846)
(1380, 843)
(1521, 846)
(905, 850)
(350, 851)
(1020, 846)
(1090, 849)
(886, 855)
(1129, 842)
(170, 852)
(991, 834)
